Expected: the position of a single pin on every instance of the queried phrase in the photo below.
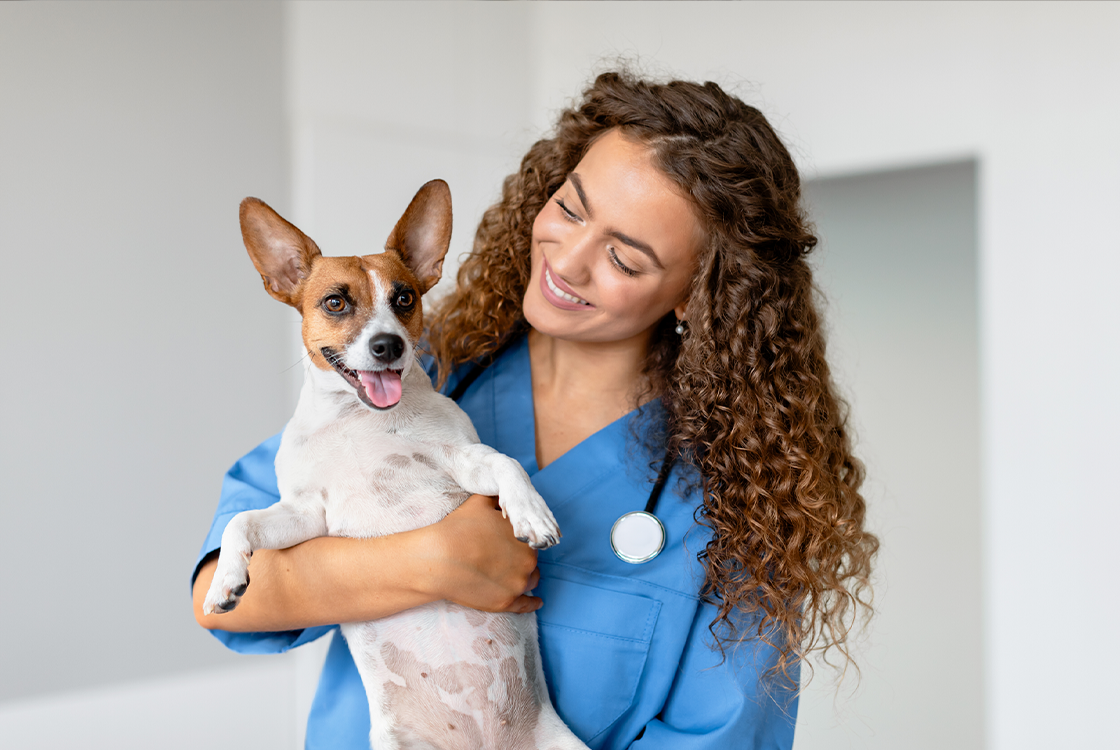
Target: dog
(373, 449)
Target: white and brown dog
(372, 449)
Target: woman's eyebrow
(577, 183)
(626, 239)
(637, 245)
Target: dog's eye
(406, 298)
(334, 304)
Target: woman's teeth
(560, 292)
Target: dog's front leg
(481, 470)
(275, 527)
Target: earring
(680, 328)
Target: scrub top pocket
(594, 644)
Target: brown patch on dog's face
(340, 296)
(337, 301)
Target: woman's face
(613, 249)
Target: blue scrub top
(626, 648)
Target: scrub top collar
(512, 430)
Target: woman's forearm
(470, 557)
(323, 581)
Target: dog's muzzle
(377, 389)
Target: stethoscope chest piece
(637, 537)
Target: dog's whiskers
(297, 363)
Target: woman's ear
(679, 310)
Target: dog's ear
(282, 254)
(424, 232)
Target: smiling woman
(636, 327)
(674, 211)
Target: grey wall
(142, 354)
(898, 265)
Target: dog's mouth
(379, 389)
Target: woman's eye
(618, 262)
(568, 213)
(334, 304)
(405, 299)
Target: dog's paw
(532, 521)
(225, 592)
(540, 542)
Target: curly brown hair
(748, 393)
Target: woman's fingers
(527, 602)
(482, 565)
(523, 604)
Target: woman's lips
(558, 293)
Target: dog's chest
(368, 482)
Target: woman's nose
(572, 259)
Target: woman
(637, 304)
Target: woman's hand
(473, 559)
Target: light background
(144, 357)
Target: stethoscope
(636, 537)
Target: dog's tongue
(383, 388)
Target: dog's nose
(386, 347)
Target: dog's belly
(386, 485)
(450, 677)
(439, 676)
